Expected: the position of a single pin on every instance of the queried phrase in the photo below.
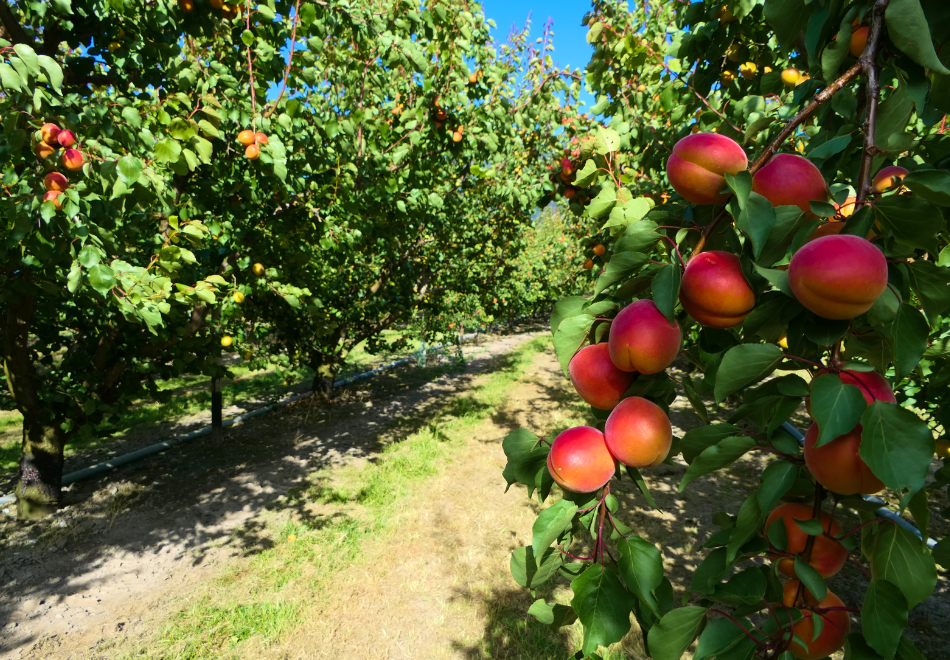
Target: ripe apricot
(54, 196)
(569, 193)
(638, 433)
(838, 277)
(49, 133)
(714, 291)
(790, 76)
(847, 208)
(836, 624)
(258, 269)
(472, 79)
(253, 152)
(859, 41)
(260, 138)
(238, 297)
(641, 88)
(43, 150)
(456, 137)
(888, 177)
(748, 70)
(186, 5)
(579, 460)
(66, 138)
(827, 555)
(55, 181)
(790, 180)
(873, 386)
(73, 159)
(595, 377)
(727, 77)
(588, 264)
(697, 166)
(838, 465)
(641, 339)
(246, 137)
(599, 250)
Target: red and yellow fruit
(599, 250)
(790, 180)
(579, 460)
(595, 377)
(638, 433)
(49, 133)
(838, 277)
(873, 386)
(260, 138)
(791, 76)
(54, 196)
(66, 138)
(43, 150)
(246, 137)
(859, 41)
(253, 152)
(828, 556)
(714, 291)
(55, 181)
(838, 465)
(889, 177)
(697, 166)
(588, 264)
(73, 159)
(836, 624)
(258, 269)
(641, 339)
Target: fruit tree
(771, 186)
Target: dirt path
(128, 543)
(436, 585)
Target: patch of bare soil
(124, 546)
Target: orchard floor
(278, 524)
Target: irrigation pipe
(131, 457)
(882, 512)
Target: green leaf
(835, 406)
(897, 445)
(832, 147)
(621, 266)
(777, 278)
(721, 636)
(570, 336)
(564, 308)
(912, 220)
(694, 399)
(641, 485)
(28, 56)
(74, 279)
(666, 289)
(530, 573)
(743, 365)
(62, 6)
(756, 221)
(741, 185)
(88, 256)
(641, 567)
(901, 558)
(932, 185)
(930, 282)
(777, 479)
(526, 459)
(941, 552)
(907, 28)
(132, 117)
(748, 523)
(167, 150)
(53, 71)
(602, 204)
(552, 614)
(9, 78)
(883, 617)
(208, 128)
(910, 331)
(744, 588)
(607, 141)
(553, 521)
(585, 176)
(670, 638)
(718, 456)
(603, 605)
(892, 116)
(102, 278)
(696, 440)
(130, 169)
(811, 578)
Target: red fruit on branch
(638, 433)
(49, 133)
(55, 181)
(641, 339)
(595, 377)
(579, 460)
(838, 465)
(836, 624)
(697, 166)
(714, 291)
(66, 138)
(790, 180)
(889, 177)
(73, 159)
(827, 555)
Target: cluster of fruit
(49, 139)
(228, 11)
(258, 269)
(440, 116)
(252, 141)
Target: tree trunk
(324, 373)
(41, 469)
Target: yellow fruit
(253, 152)
(783, 341)
(238, 297)
(217, 4)
(246, 137)
(766, 69)
(804, 78)
(258, 269)
(748, 69)
(226, 340)
(733, 53)
(728, 77)
(114, 46)
(791, 76)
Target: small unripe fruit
(790, 180)
(698, 164)
(66, 139)
(714, 291)
(599, 250)
(588, 264)
(838, 465)
(55, 181)
(889, 177)
(827, 557)
(791, 76)
(258, 269)
(732, 53)
(835, 627)
(238, 297)
(49, 133)
(260, 138)
(838, 277)
(43, 150)
(641, 339)
(638, 433)
(859, 41)
(595, 377)
(54, 196)
(579, 460)
(246, 137)
(253, 152)
(73, 159)
(724, 15)
(226, 340)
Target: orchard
(771, 185)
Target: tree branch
(12, 25)
(290, 59)
(868, 62)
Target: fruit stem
(740, 627)
(608, 320)
(577, 557)
(600, 528)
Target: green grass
(289, 556)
